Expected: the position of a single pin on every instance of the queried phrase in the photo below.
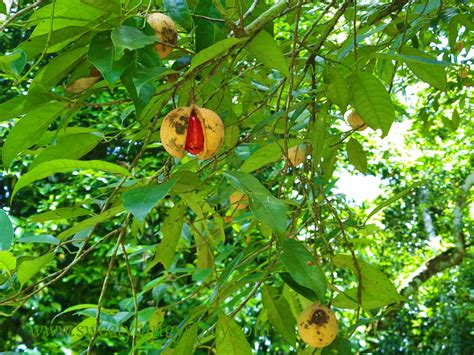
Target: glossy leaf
(57, 69)
(264, 48)
(372, 101)
(141, 200)
(374, 282)
(73, 146)
(90, 222)
(356, 154)
(102, 55)
(64, 166)
(187, 340)
(179, 11)
(6, 231)
(171, 230)
(279, 314)
(7, 261)
(434, 75)
(265, 207)
(46, 239)
(268, 154)
(20, 105)
(207, 32)
(29, 268)
(60, 213)
(107, 6)
(131, 38)
(337, 88)
(29, 129)
(230, 339)
(213, 51)
(303, 267)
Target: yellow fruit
(317, 326)
(355, 121)
(165, 30)
(194, 129)
(238, 200)
(297, 155)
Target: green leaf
(264, 206)
(304, 291)
(28, 130)
(268, 154)
(56, 69)
(372, 102)
(279, 314)
(14, 62)
(303, 267)
(207, 32)
(141, 200)
(178, 10)
(3, 7)
(434, 75)
(375, 285)
(7, 261)
(71, 146)
(60, 213)
(29, 268)
(102, 55)
(6, 231)
(356, 154)
(388, 202)
(107, 6)
(230, 339)
(318, 136)
(131, 38)
(47, 239)
(63, 166)
(187, 340)
(90, 222)
(213, 51)
(337, 88)
(266, 50)
(20, 105)
(348, 299)
(172, 227)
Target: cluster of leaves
(155, 255)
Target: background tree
(108, 243)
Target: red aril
(195, 135)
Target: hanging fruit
(317, 326)
(165, 30)
(194, 129)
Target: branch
(19, 13)
(394, 6)
(448, 258)
(431, 267)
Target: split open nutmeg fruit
(165, 29)
(194, 129)
(355, 121)
(317, 325)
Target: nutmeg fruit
(317, 325)
(165, 30)
(355, 121)
(296, 155)
(238, 200)
(194, 129)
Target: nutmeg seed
(194, 129)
